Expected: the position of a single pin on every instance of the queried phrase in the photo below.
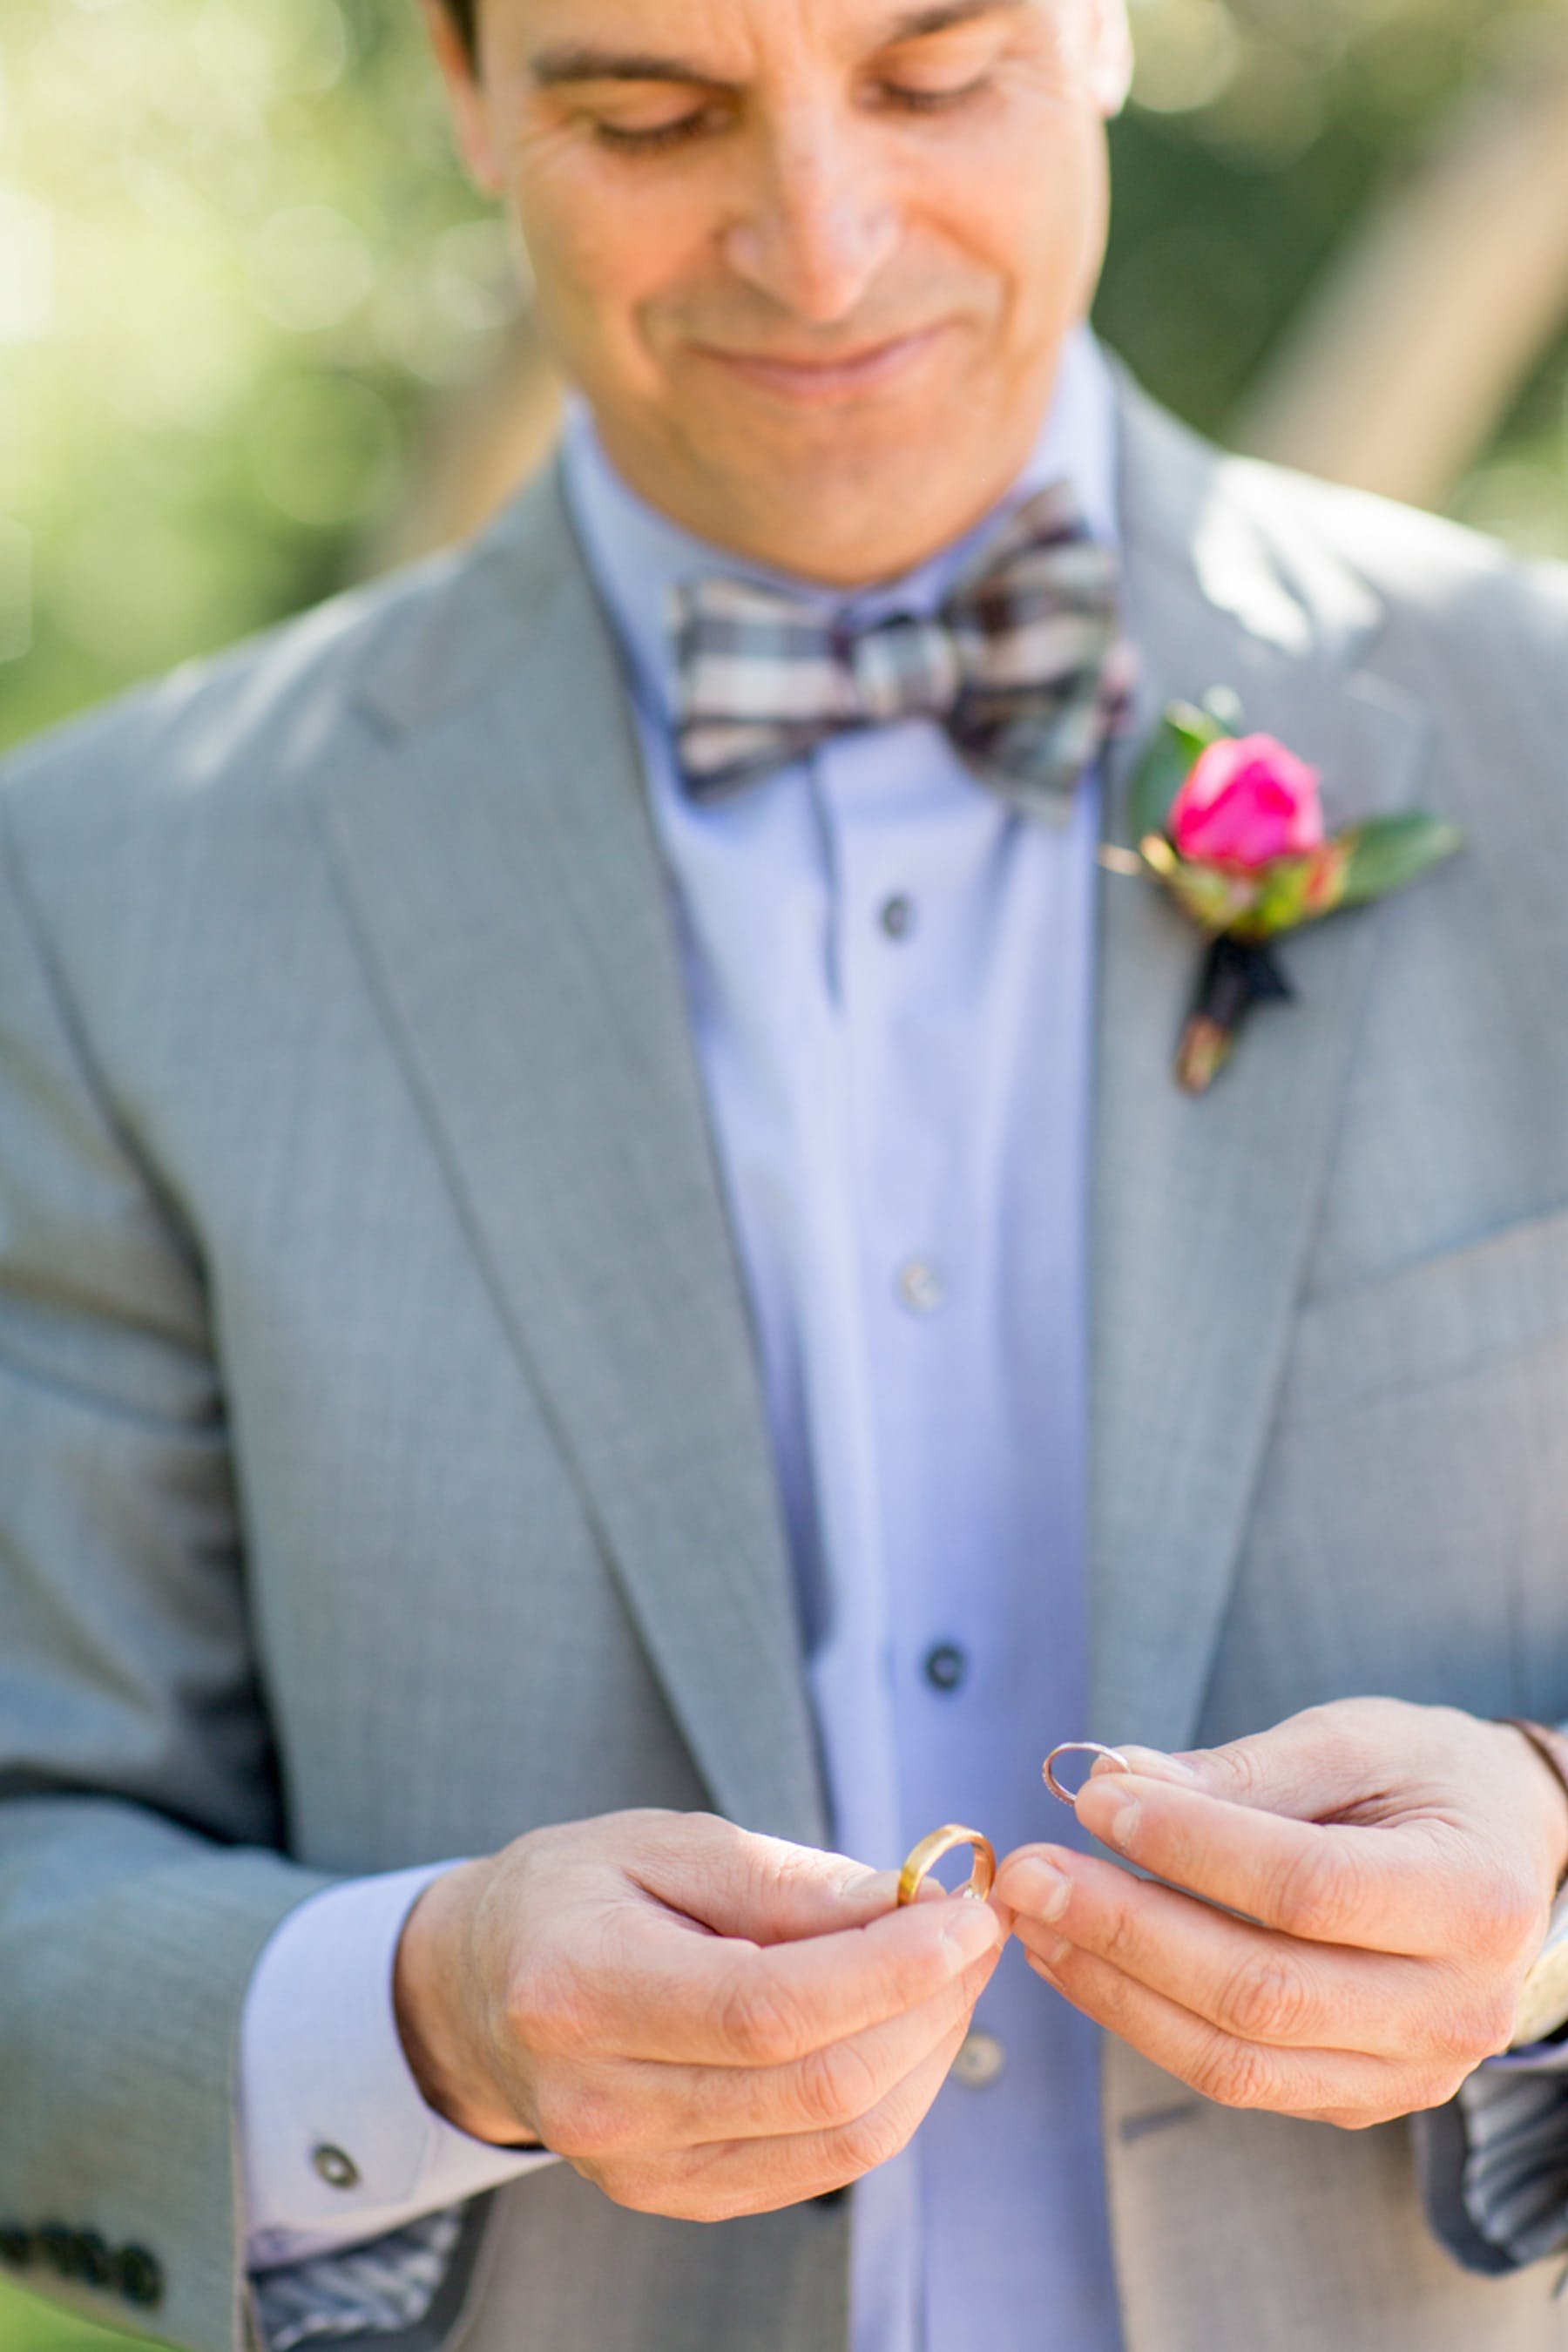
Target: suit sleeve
(354, 2187)
(142, 1868)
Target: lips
(816, 378)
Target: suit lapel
(1204, 1209)
(499, 866)
(497, 860)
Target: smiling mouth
(821, 380)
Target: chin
(862, 449)
(853, 517)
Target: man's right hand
(701, 2021)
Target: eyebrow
(581, 61)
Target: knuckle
(1239, 1764)
(1267, 1999)
(1493, 1917)
(1476, 2026)
(759, 2023)
(1338, 1735)
(836, 2085)
(862, 2146)
(1233, 2075)
(1318, 1892)
(1496, 2023)
(1509, 1924)
(1121, 1940)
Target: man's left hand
(1396, 1866)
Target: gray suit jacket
(382, 1465)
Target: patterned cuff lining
(1516, 2161)
(380, 2288)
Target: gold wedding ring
(1078, 1747)
(930, 1852)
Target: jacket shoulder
(243, 729)
(1420, 565)
(1346, 560)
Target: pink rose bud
(1246, 803)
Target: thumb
(1308, 1769)
(761, 1889)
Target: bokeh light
(243, 285)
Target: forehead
(738, 36)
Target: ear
(465, 99)
(1110, 64)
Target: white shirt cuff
(338, 2142)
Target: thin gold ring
(1078, 1747)
(930, 1852)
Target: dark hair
(461, 12)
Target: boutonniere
(1232, 826)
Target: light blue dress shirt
(891, 979)
(891, 984)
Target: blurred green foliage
(236, 257)
(29, 2326)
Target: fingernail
(1037, 1890)
(972, 1928)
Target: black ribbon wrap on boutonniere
(1231, 825)
(1235, 976)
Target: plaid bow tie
(1024, 666)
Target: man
(587, 1292)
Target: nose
(819, 226)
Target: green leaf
(1182, 736)
(1389, 852)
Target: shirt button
(921, 1286)
(335, 2166)
(980, 2062)
(945, 1667)
(897, 916)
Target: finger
(726, 2178)
(1400, 1888)
(661, 1993)
(617, 2112)
(1252, 1984)
(1328, 2085)
(1328, 1762)
(832, 2087)
(761, 1889)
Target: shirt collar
(637, 556)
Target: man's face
(811, 261)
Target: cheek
(1033, 215)
(602, 250)
(1058, 218)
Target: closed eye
(660, 137)
(652, 126)
(933, 101)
